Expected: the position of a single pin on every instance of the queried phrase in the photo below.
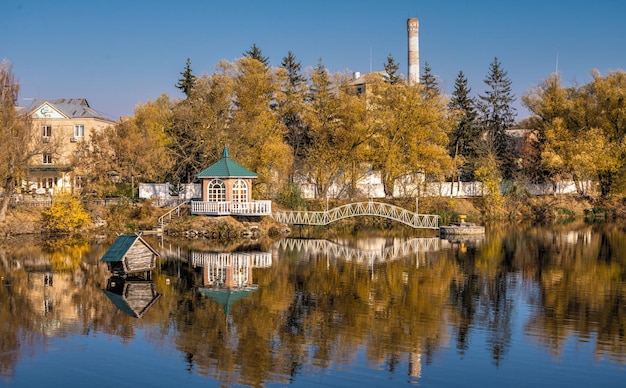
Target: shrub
(65, 215)
(291, 197)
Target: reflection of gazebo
(227, 276)
(227, 190)
(132, 297)
(227, 296)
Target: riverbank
(144, 218)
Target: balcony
(254, 208)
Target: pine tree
(429, 81)
(465, 135)
(293, 68)
(188, 79)
(391, 75)
(291, 108)
(497, 116)
(255, 53)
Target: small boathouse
(227, 190)
(130, 254)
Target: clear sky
(118, 53)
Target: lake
(521, 306)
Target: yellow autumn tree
(256, 133)
(412, 135)
(65, 215)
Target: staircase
(178, 211)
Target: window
(216, 191)
(47, 158)
(46, 131)
(46, 183)
(79, 130)
(240, 191)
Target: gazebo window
(217, 191)
(240, 191)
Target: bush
(65, 215)
(291, 197)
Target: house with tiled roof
(67, 123)
(227, 190)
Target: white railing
(371, 208)
(254, 208)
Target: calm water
(520, 307)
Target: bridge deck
(371, 208)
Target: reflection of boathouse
(132, 297)
(227, 277)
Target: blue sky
(118, 53)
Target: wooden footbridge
(370, 208)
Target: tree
(291, 108)
(497, 116)
(134, 149)
(391, 67)
(429, 82)
(198, 126)
(256, 131)
(18, 139)
(411, 135)
(186, 83)
(322, 161)
(465, 134)
(580, 131)
(547, 102)
(255, 53)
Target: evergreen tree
(294, 69)
(465, 134)
(185, 84)
(255, 53)
(292, 106)
(429, 81)
(391, 75)
(497, 116)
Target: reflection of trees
(572, 275)
(48, 292)
(309, 314)
(320, 312)
(582, 290)
(483, 297)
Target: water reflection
(132, 296)
(374, 310)
(227, 276)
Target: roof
(227, 296)
(120, 247)
(226, 168)
(132, 304)
(70, 107)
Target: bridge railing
(396, 213)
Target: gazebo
(226, 190)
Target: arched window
(240, 191)
(217, 191)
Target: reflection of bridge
(371, 208)
(336, 251)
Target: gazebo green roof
(226, 168)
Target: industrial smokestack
(412, 26)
